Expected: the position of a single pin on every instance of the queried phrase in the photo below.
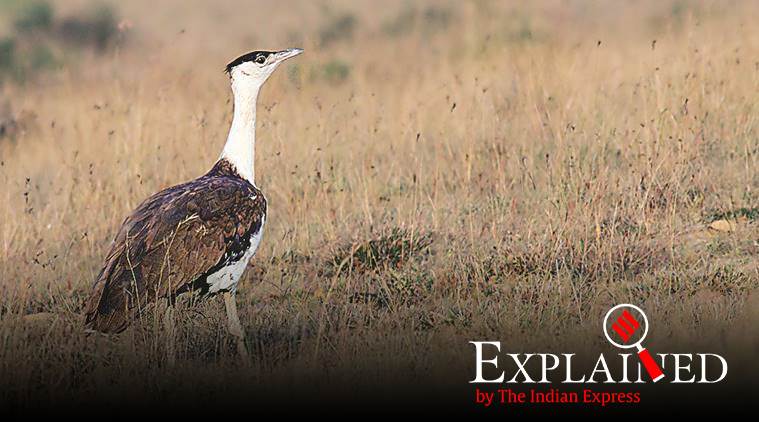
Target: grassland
(436, 172)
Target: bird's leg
(168, 322)
(235, 328)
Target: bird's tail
(112, 323)
(107, 310)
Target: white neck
(240, 149)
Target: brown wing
(174, 238)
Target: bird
(197, 236)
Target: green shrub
(337, 28)
(336, 71)
(401, 24)
(7, 54)
(34, 16)
(97, 28)
(37, 34)
(41, 57)
(432, 20)
(294, 74)
(436, 19)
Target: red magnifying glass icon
(624, 328)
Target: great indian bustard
(196, 236)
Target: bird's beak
(286, 54)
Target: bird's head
(251, 70)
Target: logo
(625, 326)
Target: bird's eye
(260, 59)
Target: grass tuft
(391, 250)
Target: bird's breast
(227, 277)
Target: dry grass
(487, 172)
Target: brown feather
(171, 242)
